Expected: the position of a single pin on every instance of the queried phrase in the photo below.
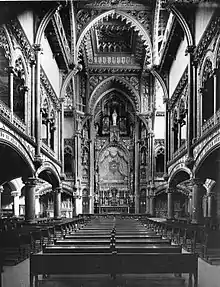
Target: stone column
(61, 135)
(190, 205)
(37, 49)
(210, 203)
(15, 194)
(152, 205)
(11, 91)
(30, 186)
(93, 183)
(215, 94)
(191, 117)
(170, 206)
(1, 191)
(196, 200)
(37, 205)
(32, 63)
(57, 202)
(136, 168)
(167, 139)
(152, 201)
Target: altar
(113, 209)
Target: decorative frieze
(4, 43)
(119, 4)
(208, 36)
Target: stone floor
(18, 276)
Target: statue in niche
(143, 156)
(114, 118)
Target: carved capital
(189, 162)
(195, 181)
(31, 181)
(11, 70)
(190, 49)
(170, 189)
(165, 176)
(37, 48)
(1, 189)
(38, 161)
(58, 189)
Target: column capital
(58, 189)
(11, 70)
(37, 48)
(61, 100)
(31, 181)
(1, 189)
(32, 62)
(190, 49)
(170, 189)
(195, 181)
(189, 162)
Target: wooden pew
(157, 248)
(113, 264)
(106, 241)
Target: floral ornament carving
(4, 43)
(83, 17)
(209, 34)
(22, 40)
(143, 17)
(19, 69)
(94, 81)
(133, 81)
(52, 95)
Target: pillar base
(57, 218)
(31, 222)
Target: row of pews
(18, 239)
(120, 250)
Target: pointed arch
(130, 20)
(162, 83)
(183, 24)
(43, 24)
(95, 96)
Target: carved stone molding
(19, 34)
(4, 43)
(179, 88)
(49, 89)
(208, 36)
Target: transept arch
(130, 20)
(182, 21)
(11, 141)
(43, 24)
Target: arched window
(208, 91)
(68, 158)
(160, 160)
